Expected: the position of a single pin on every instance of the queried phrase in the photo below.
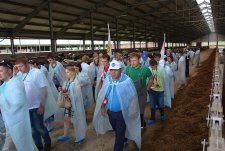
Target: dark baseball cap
(6, 63)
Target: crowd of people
(115, 89)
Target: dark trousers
(118, 124)
(38, 129)
(156, 98)
(187, 69)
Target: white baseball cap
(115, 65)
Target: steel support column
(12, 45)
(84, 44)
(92, 33)
(104, 45)
(146, 39)
(53, 40)
(208, 40)
(133, 36)
(117, 39)
(217, 40)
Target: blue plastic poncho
(79, 118)
(145, 59)
(58, 71)
(86, 89)
(15, 113)
(130, 108)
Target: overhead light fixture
(205, 7)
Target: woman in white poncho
(75, 113)
(173, 68)
(181, 77)
(86, 86)
(119, 97)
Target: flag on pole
(163, 47)
(109, 50)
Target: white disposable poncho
(51, 83)
(128, 98)
(59, 72)
(85, 67)
(197, 57)
(167, 85)
(15, 113)
(100, 76)
(78, 116)
(50, 104)
(192, 54)
(173, 67)
(93, 71)
(86, 89)
(174, 57)
(181, 77)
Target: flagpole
(109, 50)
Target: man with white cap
(14, 109)
(118, 102)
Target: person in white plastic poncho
(145, 59)
(75, 113)
(86, 86)
(35, 64)
(102, 73)
(40, 99)
(181, 77)
(197, 57)
(14, 108)
(173, 66)
(93, 68)
(167, 74)
(56, 71)
(118, 102)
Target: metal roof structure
(129, 20)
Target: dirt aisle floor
(184, 129)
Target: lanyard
(26, 76)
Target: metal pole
(103, 44)
(39, 45)
(133, 36)
(83, 44)
(117, 40)
(12, 45)
(53, 41)
(217, 39)
(92, 34)
(208, 40)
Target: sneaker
(78, 141)
(150, 122)
(64, 138)
(163, 117)
(50, 128)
